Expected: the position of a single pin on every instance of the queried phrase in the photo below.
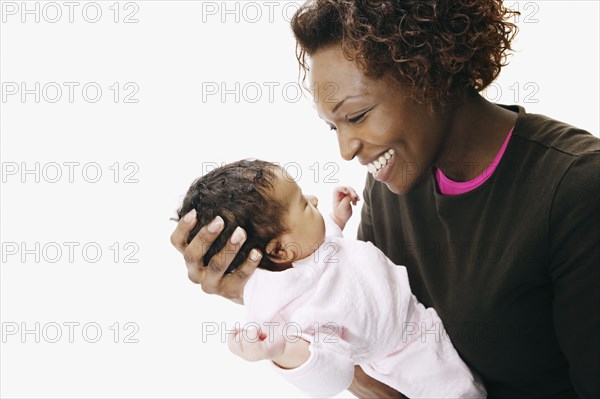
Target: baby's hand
(253, 345)
(342, 210)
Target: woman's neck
(475, 133)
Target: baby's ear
(275, 251)
(279, 252)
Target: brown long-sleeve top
(513, 266)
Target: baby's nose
(312, 200)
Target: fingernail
(238, 235)
(190, 216)
(254, 255)
(215, 225)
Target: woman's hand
(364, 386)
(211, 277)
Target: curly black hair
(242, 194)
(437, 48)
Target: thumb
(345, 202)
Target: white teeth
(378, 164)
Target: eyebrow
(338, 105)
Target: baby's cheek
(321, 224)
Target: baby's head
(266, 202)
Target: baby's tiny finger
(252, 334)
(234, 344)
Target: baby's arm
(320, 370)
(342, 210)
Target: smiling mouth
(380, 163)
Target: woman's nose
(349, 146)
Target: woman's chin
(395, 189)
(403, 187)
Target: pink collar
(451, 187)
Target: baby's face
(305, 222)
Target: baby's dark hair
(242, 194)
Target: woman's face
(372, 117)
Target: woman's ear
(280, 252)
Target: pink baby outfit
(355, 307)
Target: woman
(494, 212)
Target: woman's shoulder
(545, 152)
(553, 135)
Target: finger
(195, 251)
(234, 343)
(233, 287)
(345, 203)
(344, 192)
(338, 189)
(182, 231)
(273, 346)
(252, 334)
(253, 351)
(262, 336)
(250, 347)
(338, 196)
(218, 264)
(339, 192)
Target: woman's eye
(357, 118)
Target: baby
(323, 303)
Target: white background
(175, 130)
